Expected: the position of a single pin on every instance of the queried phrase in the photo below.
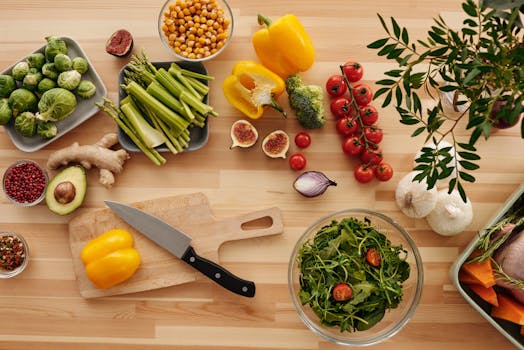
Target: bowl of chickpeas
(195, 30)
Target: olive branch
(481, 65)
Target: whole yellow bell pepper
(252, 87)
(284, 46)
(110, 258)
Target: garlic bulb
(413, 197)
(451, 215)
(444, 144)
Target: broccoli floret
(307, 101)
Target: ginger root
(100, 155)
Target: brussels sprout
(56, 104)
(22, 100)
(45, 84)
(36, 60)
(7, 85)
(20, 70)
(54, 46)
(80, 65)
(46, 130)
(31, 81)
(5, 111)
(86, 89)
(25, 123)
(49, 70)
(69, 80)
(62, 62)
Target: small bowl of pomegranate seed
(24, 183)
(14, 254)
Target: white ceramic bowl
(394, 319)
(210, 37)
(8, 273)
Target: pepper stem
(263, 20)
(274, 104)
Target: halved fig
(243, 134)
(276, 144)
(120, 43)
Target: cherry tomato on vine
(373, 257)
(341, 107)
(297, 161)
(353, 71)
(336, 85)
(371, 156)
(346, 126)
(373, 134)
(363, 173)
(363, 94)
(368, 115)
(342, 292)
(302, 139)
(384, 172)
(352, 146)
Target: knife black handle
(219, 274)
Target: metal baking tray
(510, 330)
(84, 110)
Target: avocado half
(66, 190)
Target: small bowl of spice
(14, 254)
(24, 182)
(195, 30)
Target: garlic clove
(451, 215)
(413, 198)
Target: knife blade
(179, 244)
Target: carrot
(522, 330)
(482, 271)
(487, 294)
(467, 278)
(509, 309)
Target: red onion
(312, 183)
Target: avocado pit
(65, 192)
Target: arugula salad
(351, 274)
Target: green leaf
(471, 75)
(437, 38)
(438, 52)
(467, 146)
(398, 95)
(396, 28)
(386, 82)
(395, 73)
(380, 92)
(475, 121)
(438, 30)
(378, 43)
(468, 155)
(387, 100)
(405, 60)
(417, 105)
(412, 121)
(462, 192)
(383, 23)
(448, 88)
(469, 9)
(467, 31)
(395, 53)
(386, 49)
(466, 177)
(468, 165)
(477, 132)
(418, 131)
(405, 36)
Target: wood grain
(43, 308)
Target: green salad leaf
(337, 254)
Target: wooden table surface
(42, 308)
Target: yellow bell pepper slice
(110, 258)
(283, 45)
(251, 88)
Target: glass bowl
(394, 319)
(195, 30)
(21, 187)
(10, 257)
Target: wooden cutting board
(191, 214)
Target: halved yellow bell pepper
(110, 258)
(252, 87)
(284, 46)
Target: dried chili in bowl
(14, 253)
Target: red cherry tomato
(353, 71)
(302, 139)
(363, 94)
(342, 292)
(373, 134)
(371, 156)
(368, 115)
(373, 257)
(352, 146)
(384, 172)
(346, 126)
(341, 107)
(363, 173)
(297, 161)
(336, 85)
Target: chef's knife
(178, 244)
